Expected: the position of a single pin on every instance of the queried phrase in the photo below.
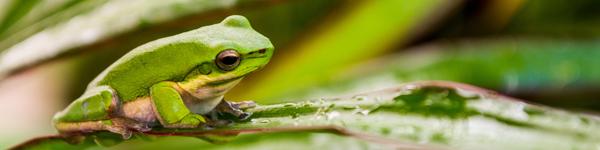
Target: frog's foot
(122, 130)
(189, 121)
(131, 125)
(122, 126)
(125, 127)
(234, 108)
(243, 104)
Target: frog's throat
(202, 98)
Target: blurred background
(542, 51)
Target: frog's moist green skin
(172, 82)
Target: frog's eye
(228, 60)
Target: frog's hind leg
(94, 111)
(91, 126)
(120, 126)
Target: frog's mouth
(229, 77)
(220, 85)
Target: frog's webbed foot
(235, 108)
(123, 131)
(126, 127)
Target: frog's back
(168, 59)
(172, 58)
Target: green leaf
(418, 115)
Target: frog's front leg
(171, 111)
(235, 108)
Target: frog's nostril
(257, 53)
(262, 51)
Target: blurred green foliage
(368, 29)
(550, 71)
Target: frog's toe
(127, 134)
(140, 127)
(244, 115)
(233, 108)
(243, 104)
(125, 127)
(123, 131)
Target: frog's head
(236, 50)
(241, 50)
